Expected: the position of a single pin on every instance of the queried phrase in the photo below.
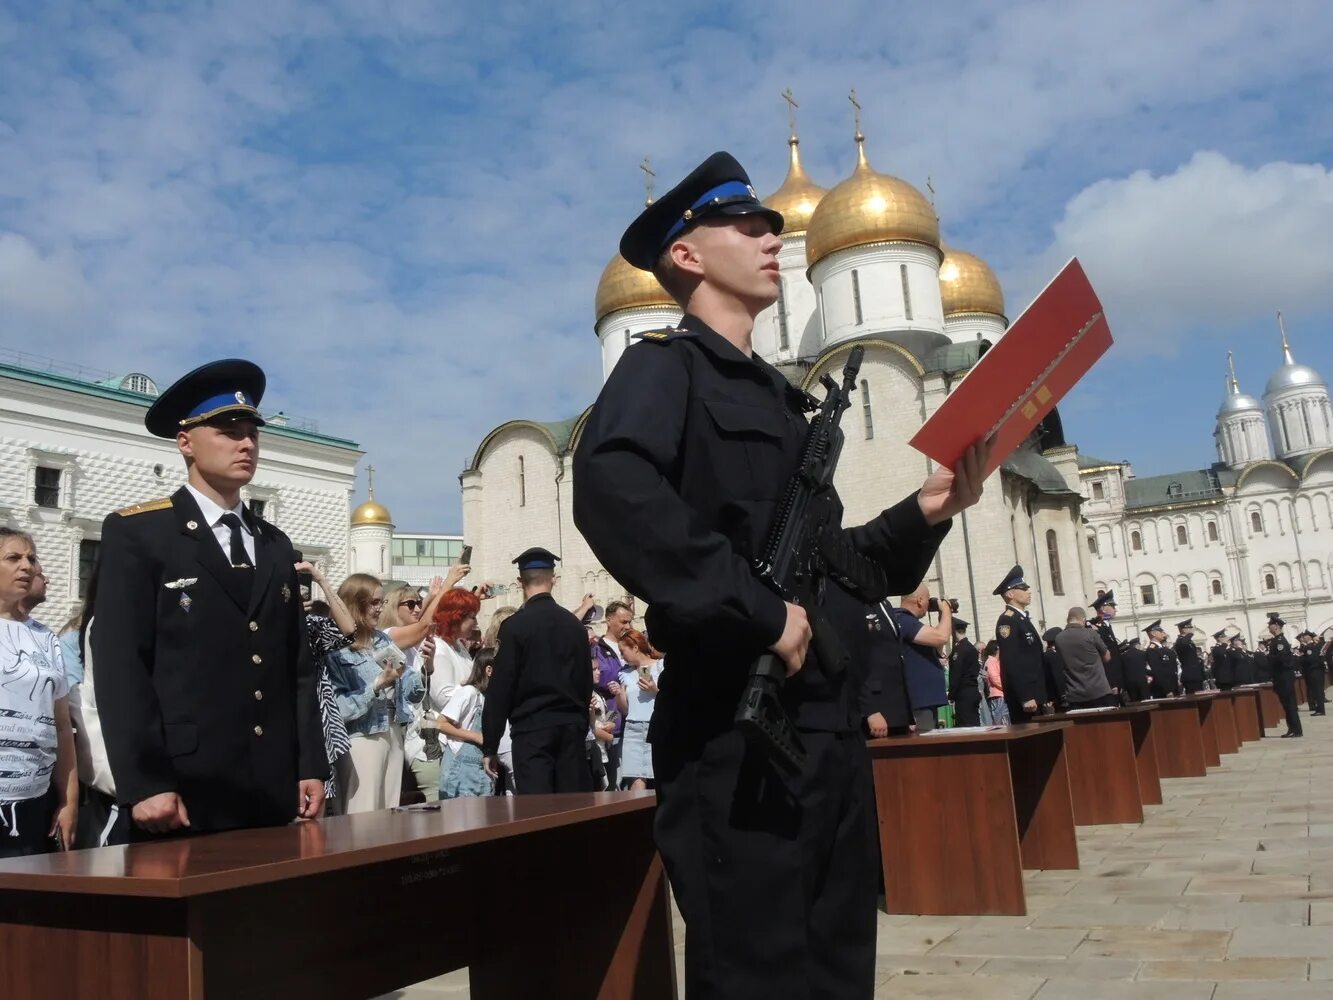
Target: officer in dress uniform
(1105, 607)
(205, 681)
(964, 677)
(1243, 667)
(678, 476)
(1191, 664)
(1283, 665)
(1137, 676)
(541, 685)
(1022, 666)
(1312, 669)
(885, 704)
(1223, 663)
(1163, 666)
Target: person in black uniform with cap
(205, 681)
(1191, 664)
(1312, 669)
(1223, 664)
(885, 704)
(964, 677)
(1022, 663)
(542, 686)
(1105, 607)
(678, 475)
(1283, 665)
(1137, 676)
(1053, 662)
(1243, 665)
(1163, 667)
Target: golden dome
(624, 286)
(798, 197)
(870, 207)
(968, 285)
(371, 512)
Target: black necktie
(239, 558)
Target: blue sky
(401, 208)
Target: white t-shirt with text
(32, 679)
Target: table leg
(1039, 770)
(1224, 709)
(1145, 758)
(1103, 777)
(1208, 729)
(1179, 741)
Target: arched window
(1136, 541)
(1256, 522)
(1270, 581)
(1217, 588)
(1053, 555)
(866, 415)
(1184, 591)
(1212, 531)
(856, 296)
(522, 484)
(1092, 544)
(1182, 536)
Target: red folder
(1018, 381)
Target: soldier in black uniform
(1022, 667)
(1105, 607)
(1312, 669)
(1137, 675)
(885, 704)
(1162, 663)
(964, 677)
(1243, 667)
(678, 474)
(205, 681)
(1222, 661)
(542, 686)
(1191, 664)
(1054, 664)
(1263, 665)
(1282, 663)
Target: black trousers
(551, 760)
(1137, 690)
(1105, 701)
(967, 713)
(25, 826)
(1284, 685)
(1192, 686)
(775, 877)
(1314, 687)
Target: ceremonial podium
(515, 889)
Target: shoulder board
(162, 503)
(1008, 613)
(665, 336)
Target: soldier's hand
(310, 798)
(947, 492)
(878, 725)
(161, 813)
(1030, 705)
(792, 645)
(488, 765)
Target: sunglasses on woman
(409, 604)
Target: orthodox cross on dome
(1231, 373)
(1286, 347)
(370, 481)
(790, 98)
(856, 114)
(648, 174)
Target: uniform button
(256, 659)
(259, 730)
(259, 696)
(254, 626)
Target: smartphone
(466, 556)
(646, 672)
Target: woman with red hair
(455, 619)
(635, 698)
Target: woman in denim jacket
(376, 694)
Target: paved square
(1224, 893)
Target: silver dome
(1239, 402)
(1293, 376)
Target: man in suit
(1022, 667)
(205, 681)
(1105, 607)
(1162, 663)
(964, 678)
(1191, 664)
(541, 685)
(1283, 664)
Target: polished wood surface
(1249, 714)
(1224, 711)
(1212, 754)
(1145, 755)
(1103, 773)
(1179, 737)
(1302, 694)
(325, 908)
(1272, 706)
(959, 817)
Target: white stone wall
(1242, 438)
(879, 280)
(1300, 421)
(804, 336)
(371, 546)
(967, 328)
(617, 329)
(108, 461)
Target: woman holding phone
(636, 693)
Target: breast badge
(186, 602)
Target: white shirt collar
(213, 512)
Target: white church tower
(1241, 433)
(1298, 407)
(371, 535)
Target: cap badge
(240, 398)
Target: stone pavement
(1224, 893)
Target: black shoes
(1289, 735)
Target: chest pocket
(752, 456)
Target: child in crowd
(462, 773)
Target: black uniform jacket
(1163, 665)
(1224, 664)
(964, 673)
(1280, 658)
(1135, 663)
(884, 689)
(1115, 666)
(1310, 660)
(205, 680)
(542, 675)
(1022, 665)
(1191, 664)
(677, 478)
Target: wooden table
(1249, 713)
(962, 814)
(1103, 769)
(354, 906)
(1272, 705)
(1179, 736)
(1302, 695)
(1224, 715)
(1145, 753)
(1207, 727)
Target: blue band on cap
(728, 191)
(220, 402)
(541, 564)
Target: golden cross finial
(370, 481)
(931, 188)
(856, 113)
(648, 174)
(791, 110)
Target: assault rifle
(803, 551)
